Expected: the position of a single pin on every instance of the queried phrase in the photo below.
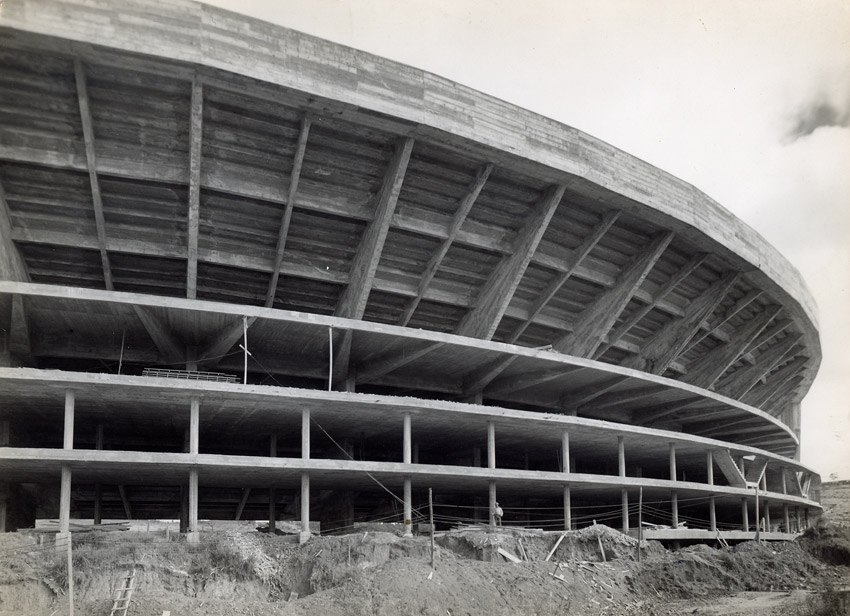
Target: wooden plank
(705, 371)
(454, 228)
(578, 255)
(594, 322)
(685, 271)
(91, 164)
(352, 304)
(246, 492)
(294, 177)
(552, 551)
(12, 265)
(508, 555)
(769, 334)
(196, 128)
(657, 355)
(494, 297)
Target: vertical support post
(712, 515)
(194, 424)
(408, 492)
(640, 522)
(192, 536)
(245, 348)
(784, 485)
(433, 530)
(745, 515)
(491, 464)
(5, 429)
(787, 518)
(758, 517)
(305, 476)
(272, 491)
(674, 509)
(492, 503)
(767, 524)
(305, 508)
(331, 358)
(709, 467)
(98, 490)
(565, 465)
(70, 577)
(64, 507)
(624, 496)
(673, 462)
(69, 420)
(621, 455)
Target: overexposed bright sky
(748, 100)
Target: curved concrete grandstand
(252, 274)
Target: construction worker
(497, 515)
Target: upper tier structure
(175, 149)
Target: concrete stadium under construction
(246, 273)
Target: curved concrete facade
(491, 300)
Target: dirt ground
(243, 572)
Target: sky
(748, 100)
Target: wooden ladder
(121, 600)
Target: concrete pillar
(69, 420)
(568, 514)
(64, 509)
(98, 491)
(192, 536)
(787, 519)
(673, 474)
(194, 423)
(5, 429)
(712, 516)
(621, 455)
(305, 508)
(492, 502)
(624, 497)
(565, 451)
(305, 434)
(784, 485)
(767, 525)
(407, 454)
(491, 445)
(272, 491)
(745, 515)
(709, 467)
(674, 509)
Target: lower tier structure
(104, 445)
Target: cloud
(816, 114)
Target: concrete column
(709, 467)
(745, 515)
(624, 496)
(272, 491)
(673, 474)
(407, 454)
(674, 509)
(5, 429)
(98, 491)
(492, 501)
(758, 517)
(787, 518)
(767, 516)
(799, 519)
(565, 451)
(305, 508)
(194, 424)
(491, 445)
(64, 509)
(305, 434)
(192, 536)
(69, 419)
(621, 455)
(568, 513)
(784, 485)
(712, 516)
